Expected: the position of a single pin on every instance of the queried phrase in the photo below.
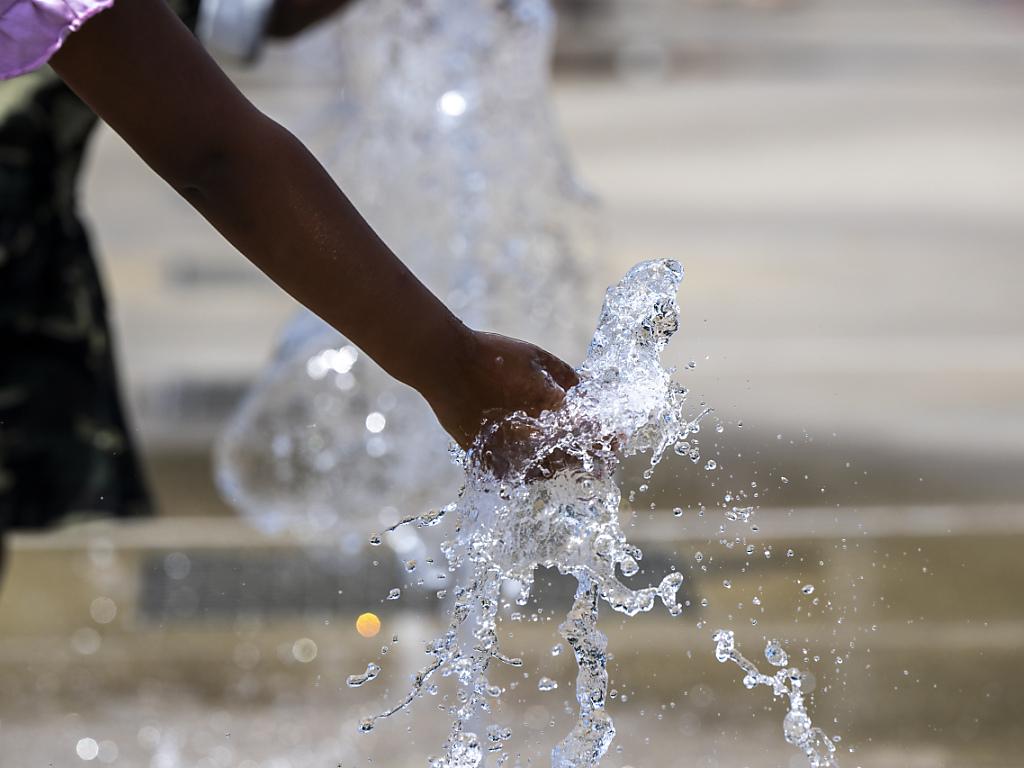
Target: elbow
(199, 176)
(234, 167)
(212, 164)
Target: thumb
(561, 372)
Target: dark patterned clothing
(64, 442)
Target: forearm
(280, 208)
(141, 71)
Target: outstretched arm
(139, 68)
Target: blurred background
(844, 183)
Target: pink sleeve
(31, 31)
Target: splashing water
(789, 682)
(552, 501)
(371, 673)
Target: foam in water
(553, 502)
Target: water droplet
(394, 594)
(546, 684)
(741, 514)
(775, 654)
(629, 566)
(496, 733)
(371, 673)
(807, 589)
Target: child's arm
(139, 68)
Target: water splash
(789, 682)
(541, 492)
(553, 502)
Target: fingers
(561, 372)
(551, 399)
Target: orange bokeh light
(368, 625)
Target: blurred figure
(65, 444)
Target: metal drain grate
(222, 585)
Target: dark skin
(141, 70)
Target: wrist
(448, 352)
